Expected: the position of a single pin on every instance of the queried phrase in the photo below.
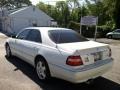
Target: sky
(34, 2)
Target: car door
(116, 34)
(19, 42)
(31, 45)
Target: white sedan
(61, 53)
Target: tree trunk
(116, 13)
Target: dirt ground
(18, 75)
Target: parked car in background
(113, 34)
(61, 53)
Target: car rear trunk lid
(89, 51)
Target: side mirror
(13, 36)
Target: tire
(42, 69)
(110, 36)
(8, 51)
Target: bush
(89, 31)
(103, 30)
(75, 26)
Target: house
(3, 13)
(25, 17)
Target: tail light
(74, 61)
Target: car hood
(109, 33)
(72, 47)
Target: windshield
(65, 36)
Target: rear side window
(117, 31)
(34, 36)
(65, 36)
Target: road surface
(15, 74)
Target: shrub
(89, 31)
(75, 26)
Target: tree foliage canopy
(108, 11)
(11, 4)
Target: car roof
(47, 28)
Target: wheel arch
(6, 44)
(110, 36)
(40, 56)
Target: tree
(113, 10)
(19, 3)
(70, 10)
(11, 4)
(43, 7)
(73, 3)
(116, 13)
(3, 3)
(64, 12)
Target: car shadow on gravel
(100, 83)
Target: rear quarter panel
(54, 57)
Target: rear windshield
(65, 36)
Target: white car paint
(57, 54)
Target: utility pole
(95, 36)
(80, 22)
(80, 19)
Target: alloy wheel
(41, 70)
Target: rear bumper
(88, 72)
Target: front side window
(34, 36)
(65, 36)
(23, 34)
